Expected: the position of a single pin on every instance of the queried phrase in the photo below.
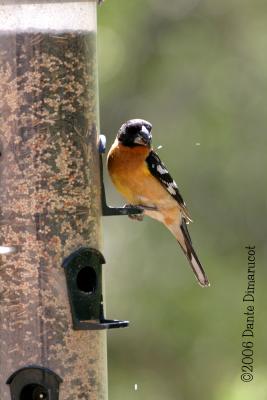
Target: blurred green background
(197, 70)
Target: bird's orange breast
(126, 166)
(130, 174)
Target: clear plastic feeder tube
(49, 189)
(47, 61)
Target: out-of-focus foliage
(198, 71)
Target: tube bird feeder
(50, 203)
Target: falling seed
(197, 144)
(135, 387)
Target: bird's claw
(139, 217)
(136, 217)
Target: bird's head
(135, 132)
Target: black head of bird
(135, 132)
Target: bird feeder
(50, 203)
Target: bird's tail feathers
(185, 242)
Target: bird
(140, 176)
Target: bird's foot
(136, 217)
(139, 217)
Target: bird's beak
(144, 137)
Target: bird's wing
(160, 172)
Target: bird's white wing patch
(160, 172)
(171, 189)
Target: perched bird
(139, 175)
